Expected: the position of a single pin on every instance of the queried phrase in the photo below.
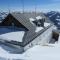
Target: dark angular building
(21, 22)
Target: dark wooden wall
(9, 20)
(55, 36)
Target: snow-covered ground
(43, 53)
(38, 52)
(9, 52)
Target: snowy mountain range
(54, 17)
(3, 15)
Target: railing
(13, 28)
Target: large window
(12, 24)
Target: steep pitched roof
(33, 15)
(23, 20)
(31, 36)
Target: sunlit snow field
(44, 52)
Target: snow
(37, 52)
(2, 50)
(58, 16)
(46, 24)
(9, 56)
(15, 36)
(58, 23)
(5, 53)
(38, 17)
(38, 29)
(59, 39)
(58, 19)
(43, 53)
(31, 19)
(52, 15)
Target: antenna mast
(8, 7)
(35, 8)
(22, 6)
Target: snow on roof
(14, 36)
(38, 17)
(46, 24)
(38, 29)
(31, 19)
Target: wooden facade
(11, 21)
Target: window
(12, 24)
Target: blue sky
(29, 5)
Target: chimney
(42, 21)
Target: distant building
(37, 30)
